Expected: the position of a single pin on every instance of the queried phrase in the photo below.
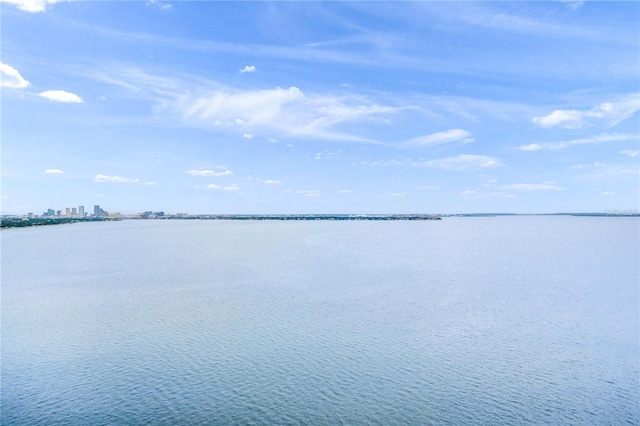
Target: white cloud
(578, 167)
(247, 135)
(453, 135)
(461, 162)
(309, 193)
(213, 186)
(61, 96)
(248, 68)
(280, 111)
(611, 171)
(531, 147)
(54, 172)
(344, 191)
(232, 187)
(531, 187)
(573, 4)
(607, 194)
(114, 179)
(239, 121)
(608, 113)
(159, 5)
(571, 119)
(205, 172)
(272, 182)
(11, 78)
(31, 5)
(602, 138)
(630, 152)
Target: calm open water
(484, 321)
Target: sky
(320, 107)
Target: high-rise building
(67, 212)
(96, 210)
(81, 211)
(74, 212)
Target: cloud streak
(463, 162)
(114, 179)
(608, 113)
(309, 193)
(61, 96)
(630, 153)
(453, 135)
(205, 172)
(54, 172)
(275, 112)
(603, 138)
(159, 5)
(531, 187)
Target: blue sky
(320, 107)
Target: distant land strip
(8, 221)
(19, 222)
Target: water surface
(508, 320)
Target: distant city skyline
(320, 107)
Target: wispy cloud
(585, 166)
(11, 78)
(159, 5)
(531, 187)
(344, 191)
(630, 153)
(603, 138)
(213, 186)
(453, 135)
(31, 5)
(463, 162)
(275, 112)
(248, 68)
(284, 111)
(602, 172)
(61, 96)
(114, 179)
(309, 193)
(573, 4)
(608, 114)
(54, 172)
(531, 147)
(232, 187)
(272, 182)
(205, 172)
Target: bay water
(483, 321)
